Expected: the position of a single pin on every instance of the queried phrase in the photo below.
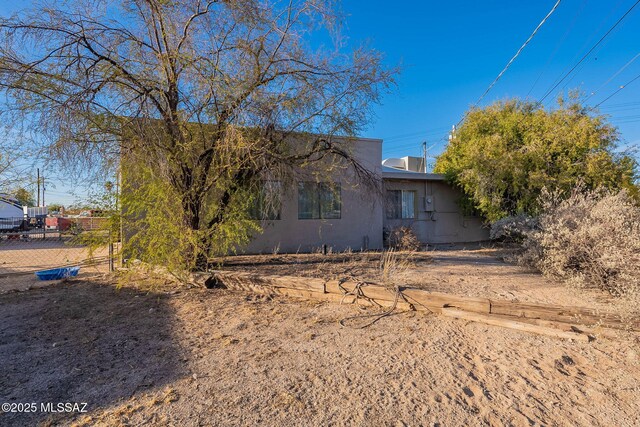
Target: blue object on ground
(57, 273)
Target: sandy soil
(218, 357)
(476, 271)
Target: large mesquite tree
(204, 99)
(502, 156)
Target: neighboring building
(12, 213)
(336, 214)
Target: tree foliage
(502, 156)
(24, 196)
(205, 100)
(10, 176)
(55, 207)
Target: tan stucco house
(342, 215)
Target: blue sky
(451, 51)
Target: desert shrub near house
(404, 239)
(589, 239)
(513, 229)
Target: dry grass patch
(381, 267)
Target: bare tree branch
(213, 97)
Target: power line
(558, 82)
(410, 144)
(586, 55)
(614, 93)
(635, 116)
(586, 44)
(623, 104)
(553, 9)
(504, 70)
(411, 140)
(614, 108)
(558, 45)
(416, 146)
(415, 134)
(406, 144)
(616, 74)
(624, 122)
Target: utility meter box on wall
(429, 204)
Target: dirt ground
(219, 357)
(19, 259)
(474, 270)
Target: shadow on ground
(76, 342)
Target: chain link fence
(30, 246)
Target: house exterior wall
(363, 215)
(360, 224)
(446, 223)
(363, 219)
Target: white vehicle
(11, 213)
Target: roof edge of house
(413, 176)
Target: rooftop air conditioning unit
(395, 163)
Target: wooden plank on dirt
(435, 301)
(512, 324)
(231, 278)
(368, 290)
(421, 299)
(239, 282)
(578, 315)
(378, 295)
(251, 286)
(569, 327)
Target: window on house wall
(401, 204)
(319, 200)
(266, 204)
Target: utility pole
(425, 156)
(43, 188)
(38, 187)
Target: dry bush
(404, 239)
(513, 229)
(589, 239)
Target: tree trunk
(191, 206)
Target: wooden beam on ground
(235, 278)
(368, 290)
(512, 324)
(436, 301)
(298, 289)
(420, 299)
(598, 332)
(575, 315)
